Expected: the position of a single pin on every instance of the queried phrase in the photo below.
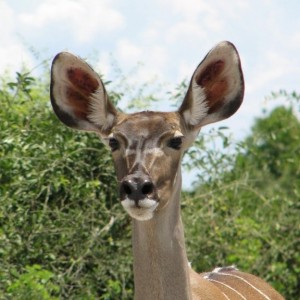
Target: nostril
(147, 188)
(127, 188)
(136, 188)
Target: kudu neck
(160, 261)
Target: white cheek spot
(175, 179)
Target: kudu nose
(136, 188)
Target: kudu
(147, 148)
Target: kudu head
(147, 146)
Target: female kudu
(147, 148)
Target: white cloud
(128, 53)
(189, 9)
(13, 54)
(85, 19)
(151, 34)
(185, 30)
(275, 67)
(185, 70)
(154, 58)
(215, 9)
(201, 19)
(104, 64)
(294, 41)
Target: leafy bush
(34, 284)
(59, 203)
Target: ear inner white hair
(199, 107)
(216, 89)
(98, 113)
(78, 95)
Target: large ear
(216, 89)
(78, 95)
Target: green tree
(248, 214)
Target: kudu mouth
(138, 196)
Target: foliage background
(63, 234)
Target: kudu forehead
(142, 134)
(147, 125)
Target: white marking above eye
(156, 151)
(177, 133)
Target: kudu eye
(113, 144)
(175, 142)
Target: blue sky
(169, 38)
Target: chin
(143, 212)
